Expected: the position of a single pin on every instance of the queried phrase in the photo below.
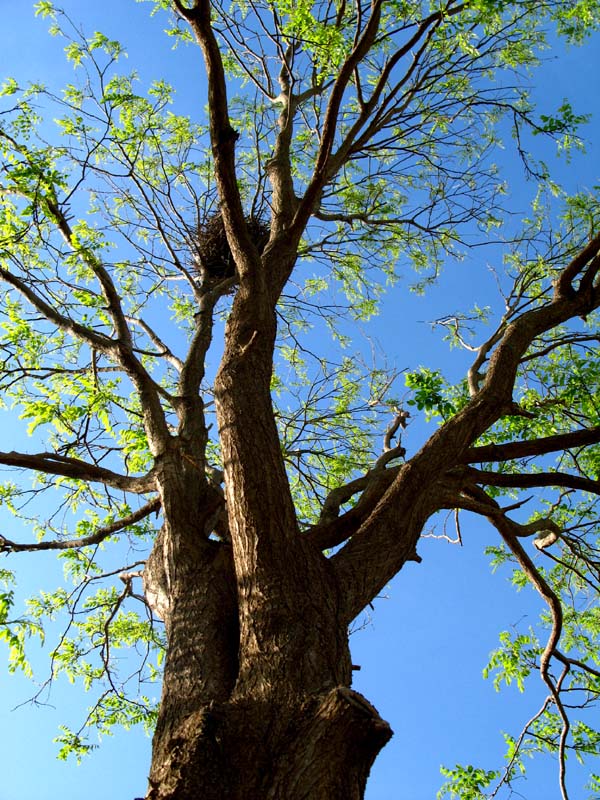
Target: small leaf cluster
(466, 783)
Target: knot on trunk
(319, 748)
(348, 721)
(335, 747)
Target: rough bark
(281, 723)
(256, 699)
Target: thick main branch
(388, 538)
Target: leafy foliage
(466, 783)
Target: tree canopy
(218, 450)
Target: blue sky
(422, 651)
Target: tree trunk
(269, 714)
(318, 748)
(256, 701)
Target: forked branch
(476, 500)
(387, 538)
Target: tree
(340, 142)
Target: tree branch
(99, 341)
(333, 529)
(163, 350)
(7, 546)
(122, 348)
(564, 285)
(65, 466)
(530, 480)
(223, 138)
(363, 43)
(388, 537)
(532, 447)
(511, 532)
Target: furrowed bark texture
(256, 700)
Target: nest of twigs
(213, 255)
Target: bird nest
(213, 254)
